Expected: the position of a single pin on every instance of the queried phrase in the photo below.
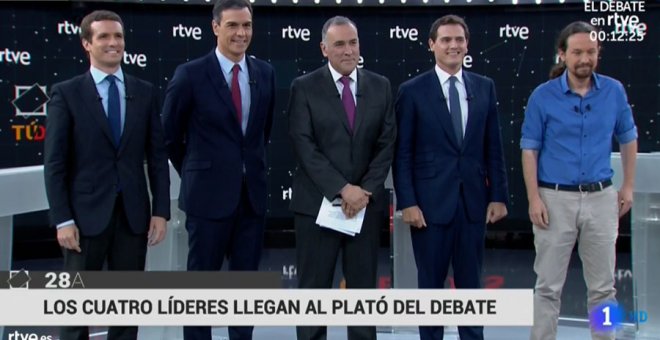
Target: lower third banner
(266, 307)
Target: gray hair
(335, 21)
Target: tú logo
(295, 33)
(404, 33)
(187, 32)
(607, 317)
(29, 132)
(15, 57)
(138, 59)
(521, 32)
(67, 28)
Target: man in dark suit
(449, 170)
(217, 116)
(342, 127)
(101, 127)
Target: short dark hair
(335, 21)
(449, 19)
(100, 15)
(562, 43)
(222, 5)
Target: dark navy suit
(451, 184)
(223, 171)
(102, 187)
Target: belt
(588, 187)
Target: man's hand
(69, 238)
(157, 230)
(495, 212)
(538, 213)
(625, 200)
(348, 210)
(413, 216)
(356, 197)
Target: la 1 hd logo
(609, 316)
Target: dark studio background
(516, 65)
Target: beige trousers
(591, 219)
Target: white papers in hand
(332, 217)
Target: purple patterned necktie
(348, 101)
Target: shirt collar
(226, 65)
(336, 75)
(563, 81)
(99, 75)
(444, 76)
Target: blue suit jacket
(83, 168)
(205, 141)
(429, 166)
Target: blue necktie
(455, 110)
(114, 110)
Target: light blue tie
(114, 110)
(455, 110)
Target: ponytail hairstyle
(562, 43)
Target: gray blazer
(328, 155)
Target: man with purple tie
(341, 123)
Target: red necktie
(236, 93)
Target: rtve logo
(296, 33)
(138, 59)
(15, 57)
(467, 61)
(181, 31)
(287, 193)
(67, 28)
(521, 32)
(404, 33)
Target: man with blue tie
(217, 115)
(448, 168)
(101, 127)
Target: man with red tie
(217, 116)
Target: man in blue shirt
(566, 146)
